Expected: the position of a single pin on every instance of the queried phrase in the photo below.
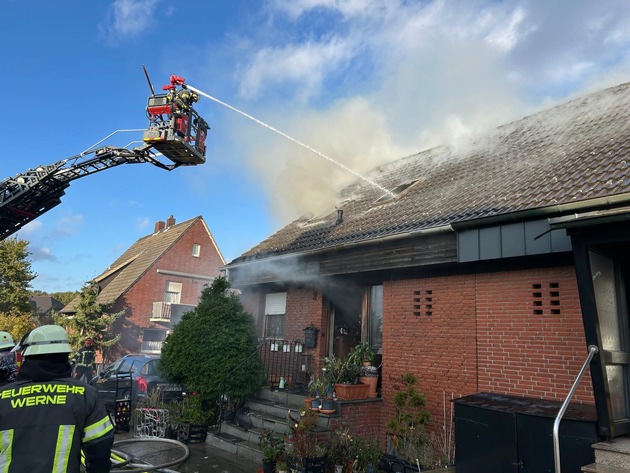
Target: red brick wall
(429, 328)
(517, 333)
(530, 334)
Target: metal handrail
(592, 351)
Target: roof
(44, 304)
(136, 261)
(574, 152)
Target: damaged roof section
(574, 152)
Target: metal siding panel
(512, 240)
(537, 237)
(560, 241)
(468, 246)
(490, 243)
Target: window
(196, 250)
(372, 317)
(275, 308)
(152, 340)
(173, 292)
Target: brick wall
(517, 333)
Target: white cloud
(68, 224)
(143, 222)
(130, 18)
(41, 253)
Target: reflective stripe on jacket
(45, 425)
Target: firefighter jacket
(44, 425)
(85, 357)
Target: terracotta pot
(372, 382)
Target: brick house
(157, 280)
(488, 268)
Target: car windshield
(125, 365)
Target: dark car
(133, 377)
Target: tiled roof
(574, 152)
(136, 261)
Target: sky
(361, 82)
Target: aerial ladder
(175, 131)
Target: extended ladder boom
(26, 196)
(175, 131)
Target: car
(133, 377)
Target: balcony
(167, 312)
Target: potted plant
(317, 390)
(272, 449)
(343, 374)
(368, 454)
(361, 354)
(281, 466)
(406, 429)
(190, 418)
(341, 449)
(305, 452)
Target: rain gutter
(550, 211)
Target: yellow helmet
(6, 340)
(45, 340)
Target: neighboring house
(488, 268)
(43, 306)
(156, 281)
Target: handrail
(592, 351)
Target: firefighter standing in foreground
(47, 417)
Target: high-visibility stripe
(6, 452)
(63, 448)
(98, 429)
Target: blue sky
(362, 81)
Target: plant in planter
(317, 390)
(281, 466)
(305, 452)
(341, 449)
(362, 353)
(406, 429)
(368, 454)
(190, 418)
(343, 374)
(272, 447)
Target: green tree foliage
(91, 319)
(212, 350)
(16, 314)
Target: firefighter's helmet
(6, 340)
(45, 340)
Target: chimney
(159, 225)
(170, 221)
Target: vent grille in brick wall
(423, 303)
(546, 299)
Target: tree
(15, 277)
(212, 350)
(91, 319)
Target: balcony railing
(169, 312)
(151, 347)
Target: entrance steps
(269, 410)
(611, 457)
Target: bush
(213, 349)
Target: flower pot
(316, 404)
(328, 405)
(351, 392)
(269, 466)
(372, 382)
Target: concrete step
(614, 453)
(235, 446)
(599, 468)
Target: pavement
(203, 458)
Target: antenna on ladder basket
(146, 74)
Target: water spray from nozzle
(341, 165)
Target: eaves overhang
(344, 246)
(596, 217)
(549, 212)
